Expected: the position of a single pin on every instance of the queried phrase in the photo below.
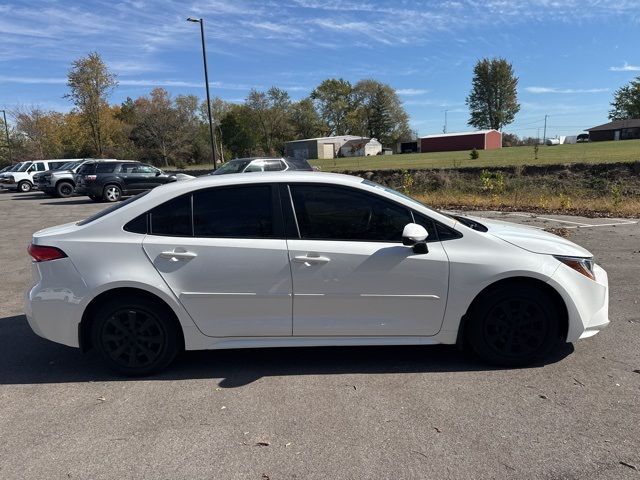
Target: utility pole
(544, 135)
(206, 84)
(6, 131)
(444, 130)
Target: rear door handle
(311, 260)
(175, 256)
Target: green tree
(378, 112)
(91, 82)
(626, 101)
(305, 121)
(270, 111)
(240, 137)
(333, 99)
(493, 101)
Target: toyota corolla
(305, 259)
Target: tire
(112, 193)
(513, 326)
(24, 186)
(64, 189)
(135, 336)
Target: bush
(474, 154)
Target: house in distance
(361, 147)
(321, 148)
(450, 142)
(628, 129)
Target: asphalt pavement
(321, 413)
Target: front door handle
(311, 260)
(175, 256)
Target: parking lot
(377, 412)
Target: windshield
(23, 167)
(15, 167)
(68, 166)
(234, 166)
(402, 195)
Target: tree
(378, 112)
(305, 121)
(239, 135)
(493, 101)
(626, 101)
(40, 131)
(159, 129)
(91, 83)
(271, 117)
(333, 99)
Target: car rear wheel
(514, 326)
(24, 186)
(112, 193)
(64, 189)
(136, 336)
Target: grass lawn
(597, 152)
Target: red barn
(449, 142)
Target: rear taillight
(41, 253)
(90, 177)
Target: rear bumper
(52, 306)
(587, 301)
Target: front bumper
(587, 300)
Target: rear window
(111, 209)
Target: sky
(570, 55)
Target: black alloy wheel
(136, 338)
(514, 325)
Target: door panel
(367, 288)
(231, 287)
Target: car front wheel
(136, 336)
(112, 193)
(64, 189)
(514, 326)
(24, 186)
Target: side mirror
(415, 236)
(158, 173)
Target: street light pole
(206, 84)
(6, 131)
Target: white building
(361, 147)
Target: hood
(532, 239)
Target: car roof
(253, 178)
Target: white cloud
(625, 68)
(565, 90)
(411, 91)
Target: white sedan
(305, 259)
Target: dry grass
(535, 202)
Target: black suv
(111, 180)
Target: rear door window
(236, 212)
(107, 167)
(172, 218)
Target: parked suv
(60, 182)
(21, 179)
(262, 164)
(111, 180)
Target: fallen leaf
(288, 444)
(637, 370)
(263, 443)
(544, 397)
(102, 399)
(223, 407)
(437, 429)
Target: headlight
(579, 264)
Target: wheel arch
(556, 297)
(88, 316)
(66, 180)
